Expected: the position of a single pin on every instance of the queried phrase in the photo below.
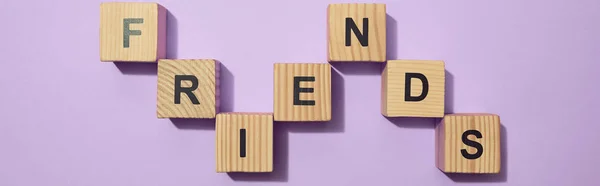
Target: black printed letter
(243, 143)
(407, 80)
(186, 90)
(297, 90)
(470, 143)
(127, 32)
(351, 27)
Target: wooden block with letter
(413, 88)
(356, 32)
(302, 92)
(188, 88)
(244, 142)
(132, 31)
(468, 143)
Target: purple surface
(69, 119)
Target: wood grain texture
(375, 51)
(147, 47)
(207, 92)
(284, 108)
(449, 143)
(259, 142)
(393, 87)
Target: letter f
(127, 32)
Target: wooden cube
(188, 88)
(244, 142)
(302, 92)
(468, 143)
(132, 32)
(356, 32)
(413, 88)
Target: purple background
(68, 119)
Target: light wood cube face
(187, 88)
(468, 143)
(356, 32)
(244, 142)
(413, 88)
(302, 92)
(132, 32)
